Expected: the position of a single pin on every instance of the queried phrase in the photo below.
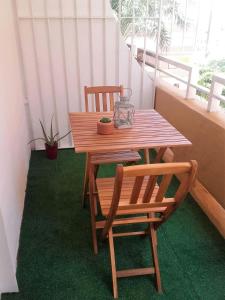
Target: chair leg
(113, 264)
(92, 208)
(86, 179)
(96, 168)
(153, 239)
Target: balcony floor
(56, 261)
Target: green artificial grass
(55, 259)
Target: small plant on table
(105, 126)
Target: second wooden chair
(104, 98)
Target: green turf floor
(55, 259)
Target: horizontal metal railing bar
(81, 18)
(219, 79)
(65, 18)
(200, 88)
(172, 75)
(168, 73)
(175, 63)
(218, 97)
(143, 18)
(168, 60)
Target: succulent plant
(105, 120)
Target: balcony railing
(166, 65)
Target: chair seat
(105, 187)
(115, 157)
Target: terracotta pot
(105, 128)
(51, 151)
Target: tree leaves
(140, 10)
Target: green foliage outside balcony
(206, 72)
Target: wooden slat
(166, 202)
(127, 221)
(135, 221)
(135, 272)
(104, 99)
(103, 89)
(163, 187)
(141, 211)
(149, 189)
(133, 233)
(136, 189)
(97, 102)
(150, 130)
(105, 190)
(86, 99)
(157, 169)
(111, 99)
(115, 157)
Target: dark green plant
(105, 120)
(206, 72)
(51, 139)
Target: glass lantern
(124, 112)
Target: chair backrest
(148, 185)
(104, 97)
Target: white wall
(7, 274)
(14, 151)
(67, 44)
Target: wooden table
(150, 130)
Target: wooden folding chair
(135, 191)
(104, 101)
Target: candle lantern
(124, 111)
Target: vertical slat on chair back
(153, 171)
(166, 171)
(164, 184)
(105, 93)
(136, 189)
(149, 189)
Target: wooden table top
(149, 130)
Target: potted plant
(51, 141)
(105, 126)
